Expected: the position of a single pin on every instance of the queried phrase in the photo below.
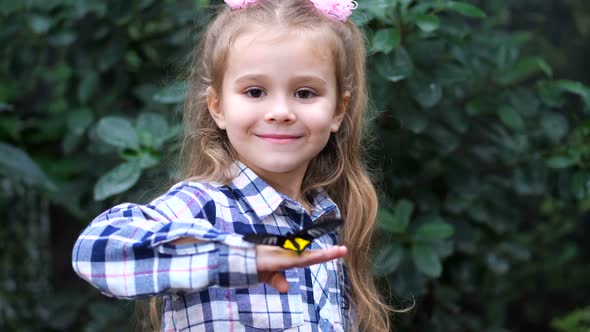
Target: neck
(292, 190)
(287, 183)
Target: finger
(312, 257)
(290, 259)
(278, 282)
(276, 259)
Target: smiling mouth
(278, 138)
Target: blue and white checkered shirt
(212, 286)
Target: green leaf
(426, 93)
(39, 24)
(464, 8)
(456, 119)
(525, 101)
(172, 94)
(555, 125)
(510, 117)
(435, 229)
(71, 142)
(426, 259)
(397, 67)
(15, 163)
(448, 74)
(505, 55)
(531, 179)
(62, 39)
(112, 53)
(479, 106)
(156, 125)
(581, 185)
(385, 219)
(550, 95)
(117, 131)
(88, 85)
(414, 119)
(399, 220)
(562, 161)
(145, 139)
(387, 259)
(497, 263)
(117, 180)
(577, 319)
(148, 159)
(427, 22)
(172, 134)
(100, 8)
(522, 70)
(77, 123)
(374, 9)
(447, 140)
(443, 248)
(574, 88)
(386, 40)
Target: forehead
(317, 39)
(262, 48)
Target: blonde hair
(338, 169)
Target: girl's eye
(304, 94)
(255, 93)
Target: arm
(131, 250)
(270, 261)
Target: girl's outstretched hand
(271, 261)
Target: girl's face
(278, 102)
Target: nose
(280, 112)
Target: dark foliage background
(482, 135)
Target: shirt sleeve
(126, 251)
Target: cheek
(237, 115)
(320, 120)
(320, 126)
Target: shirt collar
(264, 199)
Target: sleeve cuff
(162, 245)
(237, 266)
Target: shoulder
(188, 191)
(190, 199)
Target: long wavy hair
(206, 153)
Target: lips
(278, 138)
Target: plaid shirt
(212, 286)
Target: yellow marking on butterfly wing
(289, 245)
(303, 243)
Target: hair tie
(336, 9)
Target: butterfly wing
(299, 241)
(304, 237)
(323, 226)
(267, 239)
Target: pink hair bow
(337, 9)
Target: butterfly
(300, 240)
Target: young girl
(273, 126)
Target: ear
(214, 106)
(340, 112)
